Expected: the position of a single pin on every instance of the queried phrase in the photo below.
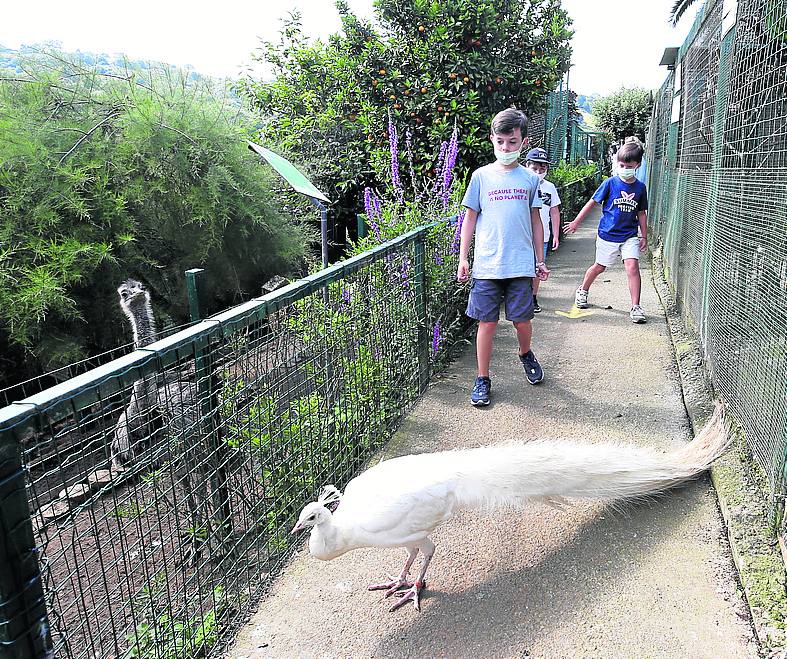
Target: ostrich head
(135, 303)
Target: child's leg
(635, 281)
(590, 275)
(524, 334)
(483, 346)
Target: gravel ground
(648, 580)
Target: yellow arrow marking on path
(575, 312)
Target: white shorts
(607, 252)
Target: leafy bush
(625, 112)
(431, 65)
(106, 176)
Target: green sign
(292, 175)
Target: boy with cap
(538, 163)
(502, 205)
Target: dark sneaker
(533, 369)
(481, 389)
(536, 307)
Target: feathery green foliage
(106, 176)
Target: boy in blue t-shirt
(624, 202)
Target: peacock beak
(296, 528)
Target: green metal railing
(717, 153)
(146, 504)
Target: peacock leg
(390, 587)
(412, 593)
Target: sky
(616, 43)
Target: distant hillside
(586, 102)
(103, 62)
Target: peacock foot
(392, 586)
(410, 595)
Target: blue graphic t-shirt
(620, 203)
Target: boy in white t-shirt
(538, 163)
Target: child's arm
(542, 272)
(554, 216)
(642, 216)
(571, 227)
(465, 238)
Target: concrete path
(651, 580)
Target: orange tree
(428, 65)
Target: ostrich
(136, 421)
(172, 398)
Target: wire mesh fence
(558, 131)
(163, 484)
(717, 150)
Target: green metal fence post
(194, 284)
(421, 298)
(361, 226)
(24, 630)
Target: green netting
(718, 191)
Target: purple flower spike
(367, 203)
(450, 163)
(373, 212)
(404, 272)
(457, 233)
(437, 338)
(393, 140)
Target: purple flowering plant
(405, 203)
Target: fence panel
(718, 185)
(163, 485)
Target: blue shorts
(546, 251)
(486, 296)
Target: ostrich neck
(142, 323)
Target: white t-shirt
(549, 199)
(504, 232)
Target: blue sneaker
(533, 370)
(480, 394)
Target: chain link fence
(146, 504)
(558, 130)
(717, 152)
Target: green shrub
(103, 177)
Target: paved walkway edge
(740, 485)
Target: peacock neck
(328, 541)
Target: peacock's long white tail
(511, 474)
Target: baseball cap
(538, 155)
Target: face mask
(541, 176)
(507, 158)
(625, 172)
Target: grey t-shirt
(503, 233)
